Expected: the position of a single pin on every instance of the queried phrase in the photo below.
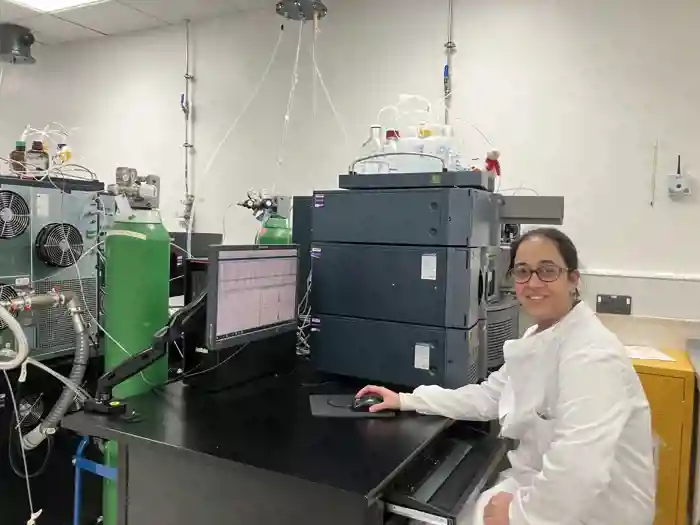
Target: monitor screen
(254, 293)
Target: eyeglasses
(547, 273)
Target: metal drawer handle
(417, 515)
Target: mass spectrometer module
(49, 230)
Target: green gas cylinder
(136, 297)
(275, 230)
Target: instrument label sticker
(421, 356)
(428, 267)
(42, 205)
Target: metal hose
(80, 362)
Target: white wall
(575, 94)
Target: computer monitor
(251, 293)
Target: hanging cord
(212, 158)
(34, 515)
(290, 103)
(336, 114)
(314, 77)
(304, 314)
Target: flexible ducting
(80, 362)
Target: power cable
(34, 515)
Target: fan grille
(59, 245)
(55, 332)
(31, 410)
(473, 375)
(7, 292)
(14, 215)
(502, 325)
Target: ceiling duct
(15, 44)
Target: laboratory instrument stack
(400, 277)
(408, 264)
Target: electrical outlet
(614, 304)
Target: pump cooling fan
(14, 215)
(59, 244)
(7, 293)
(31, 410)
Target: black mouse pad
(340, 405)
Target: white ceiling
(113, 17)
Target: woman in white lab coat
(568, 394)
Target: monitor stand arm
(186, 321)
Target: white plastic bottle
(374, 145)
(425, 143)
(448, 150)
(391, 145)
(444, 146)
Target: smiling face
(544, 284)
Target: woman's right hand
(391, 400)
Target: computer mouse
(363, 404)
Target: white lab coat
(572, 399)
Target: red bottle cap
(392, 134)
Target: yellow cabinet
(670, 389)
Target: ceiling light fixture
(53, 6)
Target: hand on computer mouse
(390, 399)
